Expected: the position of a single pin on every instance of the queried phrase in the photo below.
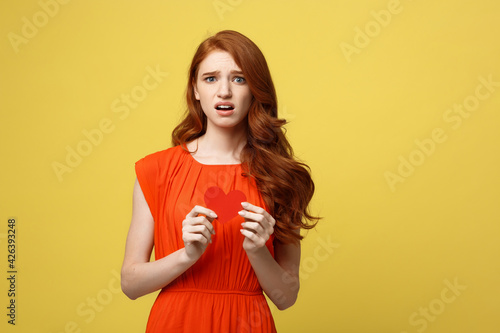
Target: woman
(223, 208)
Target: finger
(191, 238)
(256, 209)
(266, 222)
(248, 234)
(252, 216)
(254, 227)
(202, 210)
(199, 220)
(258, 241)
(198, 229)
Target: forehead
(218, 61)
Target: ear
(196, 94)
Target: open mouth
(224, 107)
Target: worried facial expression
(222, 90)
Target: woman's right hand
(197, 231)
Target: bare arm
(139, 275)
(278, 276)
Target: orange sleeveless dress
(220, 293)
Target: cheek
(205, 94)
(249, 101)
(201, 97)
(247, 97)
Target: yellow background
(353, 118)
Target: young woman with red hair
(223, 207)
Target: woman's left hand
(257, 228)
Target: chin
(228, 123)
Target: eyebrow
(217, 72)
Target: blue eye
(210, 79)
(239, 79)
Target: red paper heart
(226, 206)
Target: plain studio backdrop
(393, 104)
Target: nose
(224, 89)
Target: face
(222, 90)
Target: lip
(224, 103)
(224, 113)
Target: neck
(222, 145)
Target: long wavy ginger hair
(285, 183)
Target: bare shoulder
(139, 243)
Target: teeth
(224, 107)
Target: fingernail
(244, 204)
(241, 212)
(213, 215)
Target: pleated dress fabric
(220, 292)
